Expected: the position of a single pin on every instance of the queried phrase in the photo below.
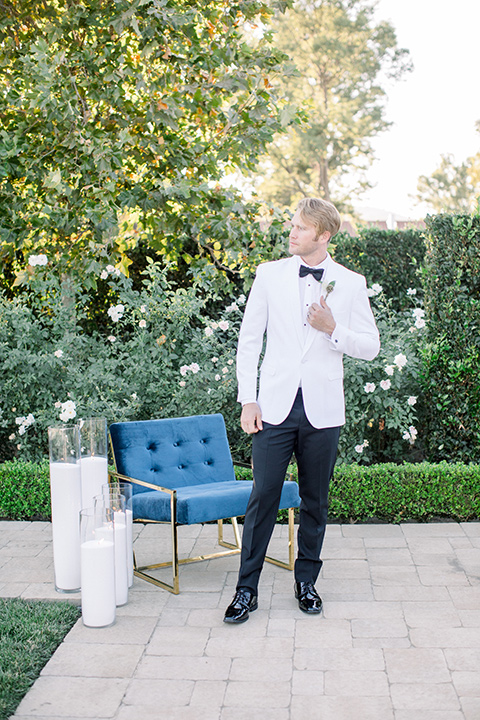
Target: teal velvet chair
(182, 473)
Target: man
(310, 320)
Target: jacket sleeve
(250, 340)
(360, 338)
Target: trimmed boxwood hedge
(397, 493)
(359, 493)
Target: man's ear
(324, 237)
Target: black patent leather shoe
(309, 601)
(243, 603)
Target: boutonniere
(330, 288)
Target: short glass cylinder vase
(111, 491)
(97, 563)
(66, 502)
(94, 463)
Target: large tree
(120, 117)
(342, 54)
(451, 188)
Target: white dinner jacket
(316, 361)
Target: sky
(435, 107)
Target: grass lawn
(30, 632)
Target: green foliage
(31, 632)
(451, 188)
(119, 120)
(342, 55)
(401, 493)
(392, 258)
(25, 490)
(451, 352)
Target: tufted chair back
(173, 452)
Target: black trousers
(272, 449)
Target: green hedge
(387, 492)
(24, 490)
(451, 352)
(391, 258)
(409, 492)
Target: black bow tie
(316, 272)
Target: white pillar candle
(129, 515)
(98, 582)
(94, 475)
(120, 538)
(121, 572)
(66, 497)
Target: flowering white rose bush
(381, 395)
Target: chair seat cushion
(207, 502)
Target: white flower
(231, 307)
(143, 308)
(58, 404)
(111, 338)
(182, 383)
(194, 368)
(58, 353)
(412, 329)
(184, 369)
(214, 359)
(103, 275)
(68, 411)
(208, 331)
(420, 323)
(359, 448)
(29, 420)
(413, 431)
(142, 323)
(12, 436)
(225, 370)
(218, 377)
(20, 420)
(385, 384)
(389, 369)
(376, 289)
(411, 291)
(22, 430)
(134, 396)
(214, 325)
(412, 400)
(37, 260)
(223, 325)
(117, 272)
(116, 312)
(400, 361)
(369, 387)
(230, 362)
(110, 268)
(241, 299)
(418, 312)
(406, 435)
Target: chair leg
(291, 545)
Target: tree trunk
(323, 178)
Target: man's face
(303, 241)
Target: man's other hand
(251, 418)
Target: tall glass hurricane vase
(93, 443)
(66, 499)
(97, 556)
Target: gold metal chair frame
(175, 562)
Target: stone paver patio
(399, 638)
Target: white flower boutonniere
(330, 288)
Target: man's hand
(251, 418)
(320, 317)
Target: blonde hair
(320, 213)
